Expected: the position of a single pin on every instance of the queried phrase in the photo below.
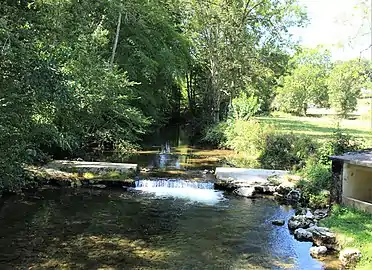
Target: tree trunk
(116, 41)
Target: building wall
(357, 184)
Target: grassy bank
(354, 229)
(319, 127)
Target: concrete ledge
(94, 167)
(360, 205)
(249, 175)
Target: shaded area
(96, 229)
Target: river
(163, 223)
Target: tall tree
(306, 83)
(345, 83)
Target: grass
(353, 229)
(319, 127)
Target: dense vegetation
(77, 75)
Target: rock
(299, 221)
(294, 195)
(278, 222)
(318, 251)
(99, 186)
(349, 256)
(303, 235)
(308, 214)
(248, 192)
(320, 213)
(322, 236)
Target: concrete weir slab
(246, 175)
(87, 166)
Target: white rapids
(202, 192)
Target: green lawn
(319, 127)
(353, 229)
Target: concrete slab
(87, 166)
(248, 175)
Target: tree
(234, 44)
(306, 83)
(345, 83)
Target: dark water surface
(98, 229)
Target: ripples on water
(91, 229)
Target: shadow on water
(94, 229)
(168, 152)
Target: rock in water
(299, 221)
(349, 257)
(278, 222)
(248, 192)
(318, 251)
(303, 235)
(323, 237)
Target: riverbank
(353, 229)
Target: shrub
(285, 151)
(246, 137)
(215, 135)
(316, 183)
(244, 107)
(339, 143)
(320, 200)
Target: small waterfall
(165, 149)
(168, 183)
(202, 192)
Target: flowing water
(162, 223)
(99, 229)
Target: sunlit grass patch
(353, 229)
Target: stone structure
(352, 179)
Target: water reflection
(98, 229)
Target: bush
(339, 143)
(215, 135)
(316, 183)
(285, 151)
(244, 107)
(246, 137)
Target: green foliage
(246, 137)
(306, 84)
(316, 183)
(244, 107)
(339, 144)
(353, 229)
(285, 151)
(215, 135)
(344, 83)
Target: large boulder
(303, 235)
(349, 257)
(300, 221)
(322, 236)
(248, 192)
(318, 251)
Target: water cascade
(202, 192)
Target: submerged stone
(278, 222)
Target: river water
(99, 229)
(165, 222)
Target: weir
(201, 192)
